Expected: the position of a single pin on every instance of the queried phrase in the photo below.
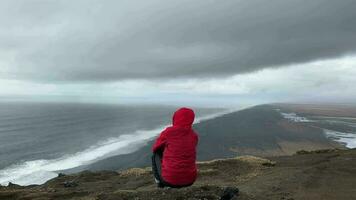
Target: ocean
(39, 139)
(338, 129)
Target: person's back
(178, 144)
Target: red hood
(183, 117)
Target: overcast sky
(204, 52)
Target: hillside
(259, 131)
(327, 175)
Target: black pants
(157, 172)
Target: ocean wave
(294, 117)
(27, 172)
(40, 171)
(348, 139)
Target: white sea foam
(294, 117)
(39, 171)
(348, 139)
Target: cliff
(323, 174)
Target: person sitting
(174, 152)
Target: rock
(320, 151)
(137, 172)
(269, 164)
(70, 184)
(13, 185)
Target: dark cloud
(110, 40)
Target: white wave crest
(347, 139)
(294, 117)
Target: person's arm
(160, 142)
(196, 138)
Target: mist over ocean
(38, 139)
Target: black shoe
(229, 193)
(160, 185)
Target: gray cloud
(87, 40)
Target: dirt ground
(329, 174)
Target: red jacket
(178, 143)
